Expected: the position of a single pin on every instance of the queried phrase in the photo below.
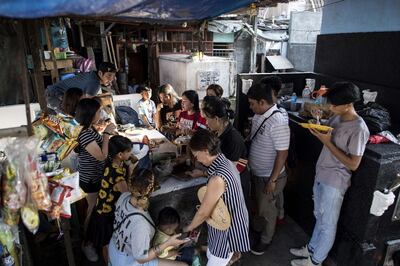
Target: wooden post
(103, 42)
(54, 72)
(32, 28)
(24, 73)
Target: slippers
(235, 258)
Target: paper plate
(321, 128)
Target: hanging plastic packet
(30, 217)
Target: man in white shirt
(270, 136)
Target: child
(113, 183)
(168, 224)
(342, 152)
(147, 108)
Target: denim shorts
(117, 258)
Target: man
(89, 82)
(270, 136)
(341, 154)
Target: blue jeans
(327, 204)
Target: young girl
(93, 151)
(130, 244)
(190, 118)
(113, 184)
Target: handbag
(220, 217)
(248, 141)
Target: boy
(147, 108)
(341, 154)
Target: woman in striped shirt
(93, 151)
(224, 183)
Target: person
(276, 85)
(92, 151)
(70, 101)
(341, 154)
(214, 90)
(89, 82)
(167, 225)
(190, 118)
(146, 107)
(169, 108)
(130, 244)
(218, 115)
(223, 183)
(270, 137)
(113, 183)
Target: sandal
(235, 258)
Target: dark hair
(261, 91)
(142, 88)
(118, 144)
(86, 111)
(70, 100)
(274, 82)
(343, 93)
(107, 67)
(193, 97)
(204, 140)
(217, 89)
(168, 215)
(216, 107)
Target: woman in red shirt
(190, 118)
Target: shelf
(65, 63)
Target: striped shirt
(273, 136)
(236, 238)
(90, 169)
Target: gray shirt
(134, 236)
(350, 137)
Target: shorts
(117, 258)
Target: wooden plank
(49, 64)
(103, 42)
(36, 48)
(54, 71)
(24, 73)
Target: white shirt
(273, 136)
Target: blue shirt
(88, 82)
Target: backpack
(126, 115)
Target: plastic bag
(376, 117)
(30, 217)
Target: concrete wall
(360, 16)
(242, 53)
(303, 31)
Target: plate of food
(321, 128)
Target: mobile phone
(183, 236)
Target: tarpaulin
(144, 10)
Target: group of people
(242, 173)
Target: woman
(215, 90)
(134, 228)
(70, 101)
(93, 151)
(223, 182)
(169, 108)
(190, 118)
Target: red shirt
(192, 122)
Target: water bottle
(306, 92)
(293, 102)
